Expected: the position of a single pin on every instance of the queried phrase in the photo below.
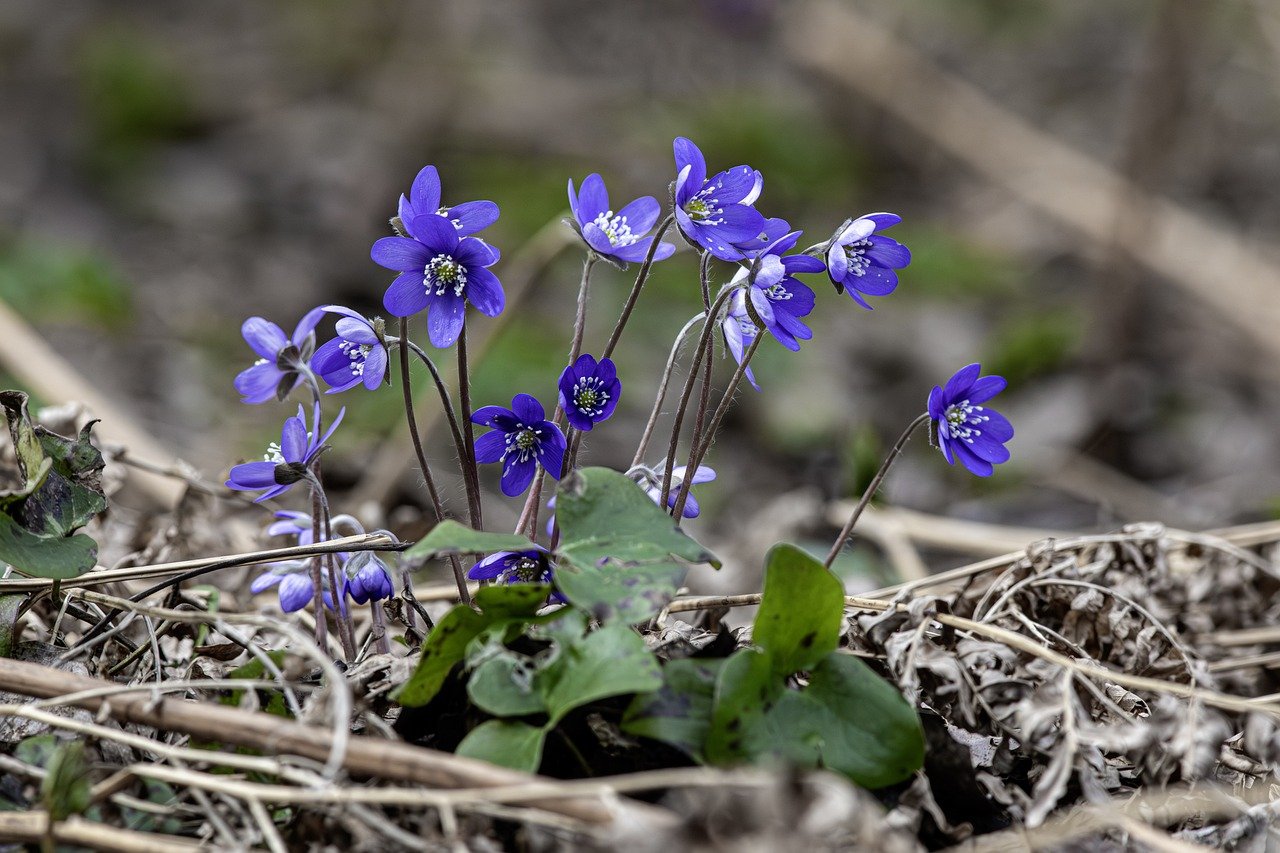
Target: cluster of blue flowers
(442, 265)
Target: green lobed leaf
(450, 537)
(446, 645)
(71, 494)
(798, 623)
(503, 686)
(506, 743)
(617, 555)
(609, 662)
(678, 713)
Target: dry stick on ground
(101, 577)
(33, 827)
(1205, 259)
(364, 756)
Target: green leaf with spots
(505, 743)
(618, 554)
(679, 712)
(746, 689)
(450, 537)
(45, 556)
(798, 623)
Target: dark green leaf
(9, 607)
(505, 743)
(609, 662)
(512, 599)
(443, 649)
(503, 686)
(798, 623)
(45, 556)
(679, 713)
(620, 593)
(450, 537)
(71, 494)
(65, 788)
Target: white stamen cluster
(963, 421)
(525, 569)
(616, 229)
(777, 293)
(274, 453)
(357, 353)
(590, 396)
(704, 208)
(522, 444)
(442, 273)
(857, 255)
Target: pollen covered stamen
(964, 421)
(590, 397)
(274, 453)
(616, 229)
(442, 273)
(357, 353)
(777, 293)
(704, 210)
(857, 255)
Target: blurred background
(1088, 190)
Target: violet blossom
(357, 356)
(522, 438)
(589, 391)
(288, 461)
(282, 361)
(617, 237)
(966, 429)
(863, 262)
(716, 213)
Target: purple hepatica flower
(772, 231)
(287, 462)
(291, 523)
(442, 271)
(356, 356)
(717, 213)
(589, 391)
(967, 430)
(522, 439)
(292, 579)
(532, 566)
(652, 484)
(367, 578)
(777, 297)
(424, 197)
(618, 237)
(863, 262)
(282, 361)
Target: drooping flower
(367, 578)
(424, 197)
(292, 523)
(292, 579)
(287, 462)
(739, 331)
(863, 262)
(616, 236)
(717, 213)
(777, 296)
(522, 438)
(651, 482)
(356, 356)
(441, 271)
(589, 391)
(282, 361)
(966, 429)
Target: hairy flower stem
(704, 396)
(423, 466)
(873, 487)
(703, 351)
(643, 447)
(699, 450)
(641, 277)
(317, 579)
(468, 433)
(446, 402)
(337, 590)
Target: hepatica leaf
(799, 618)
(450, 537)
(58, 491)
(679, 713)
(507, 743)
(619, 553)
